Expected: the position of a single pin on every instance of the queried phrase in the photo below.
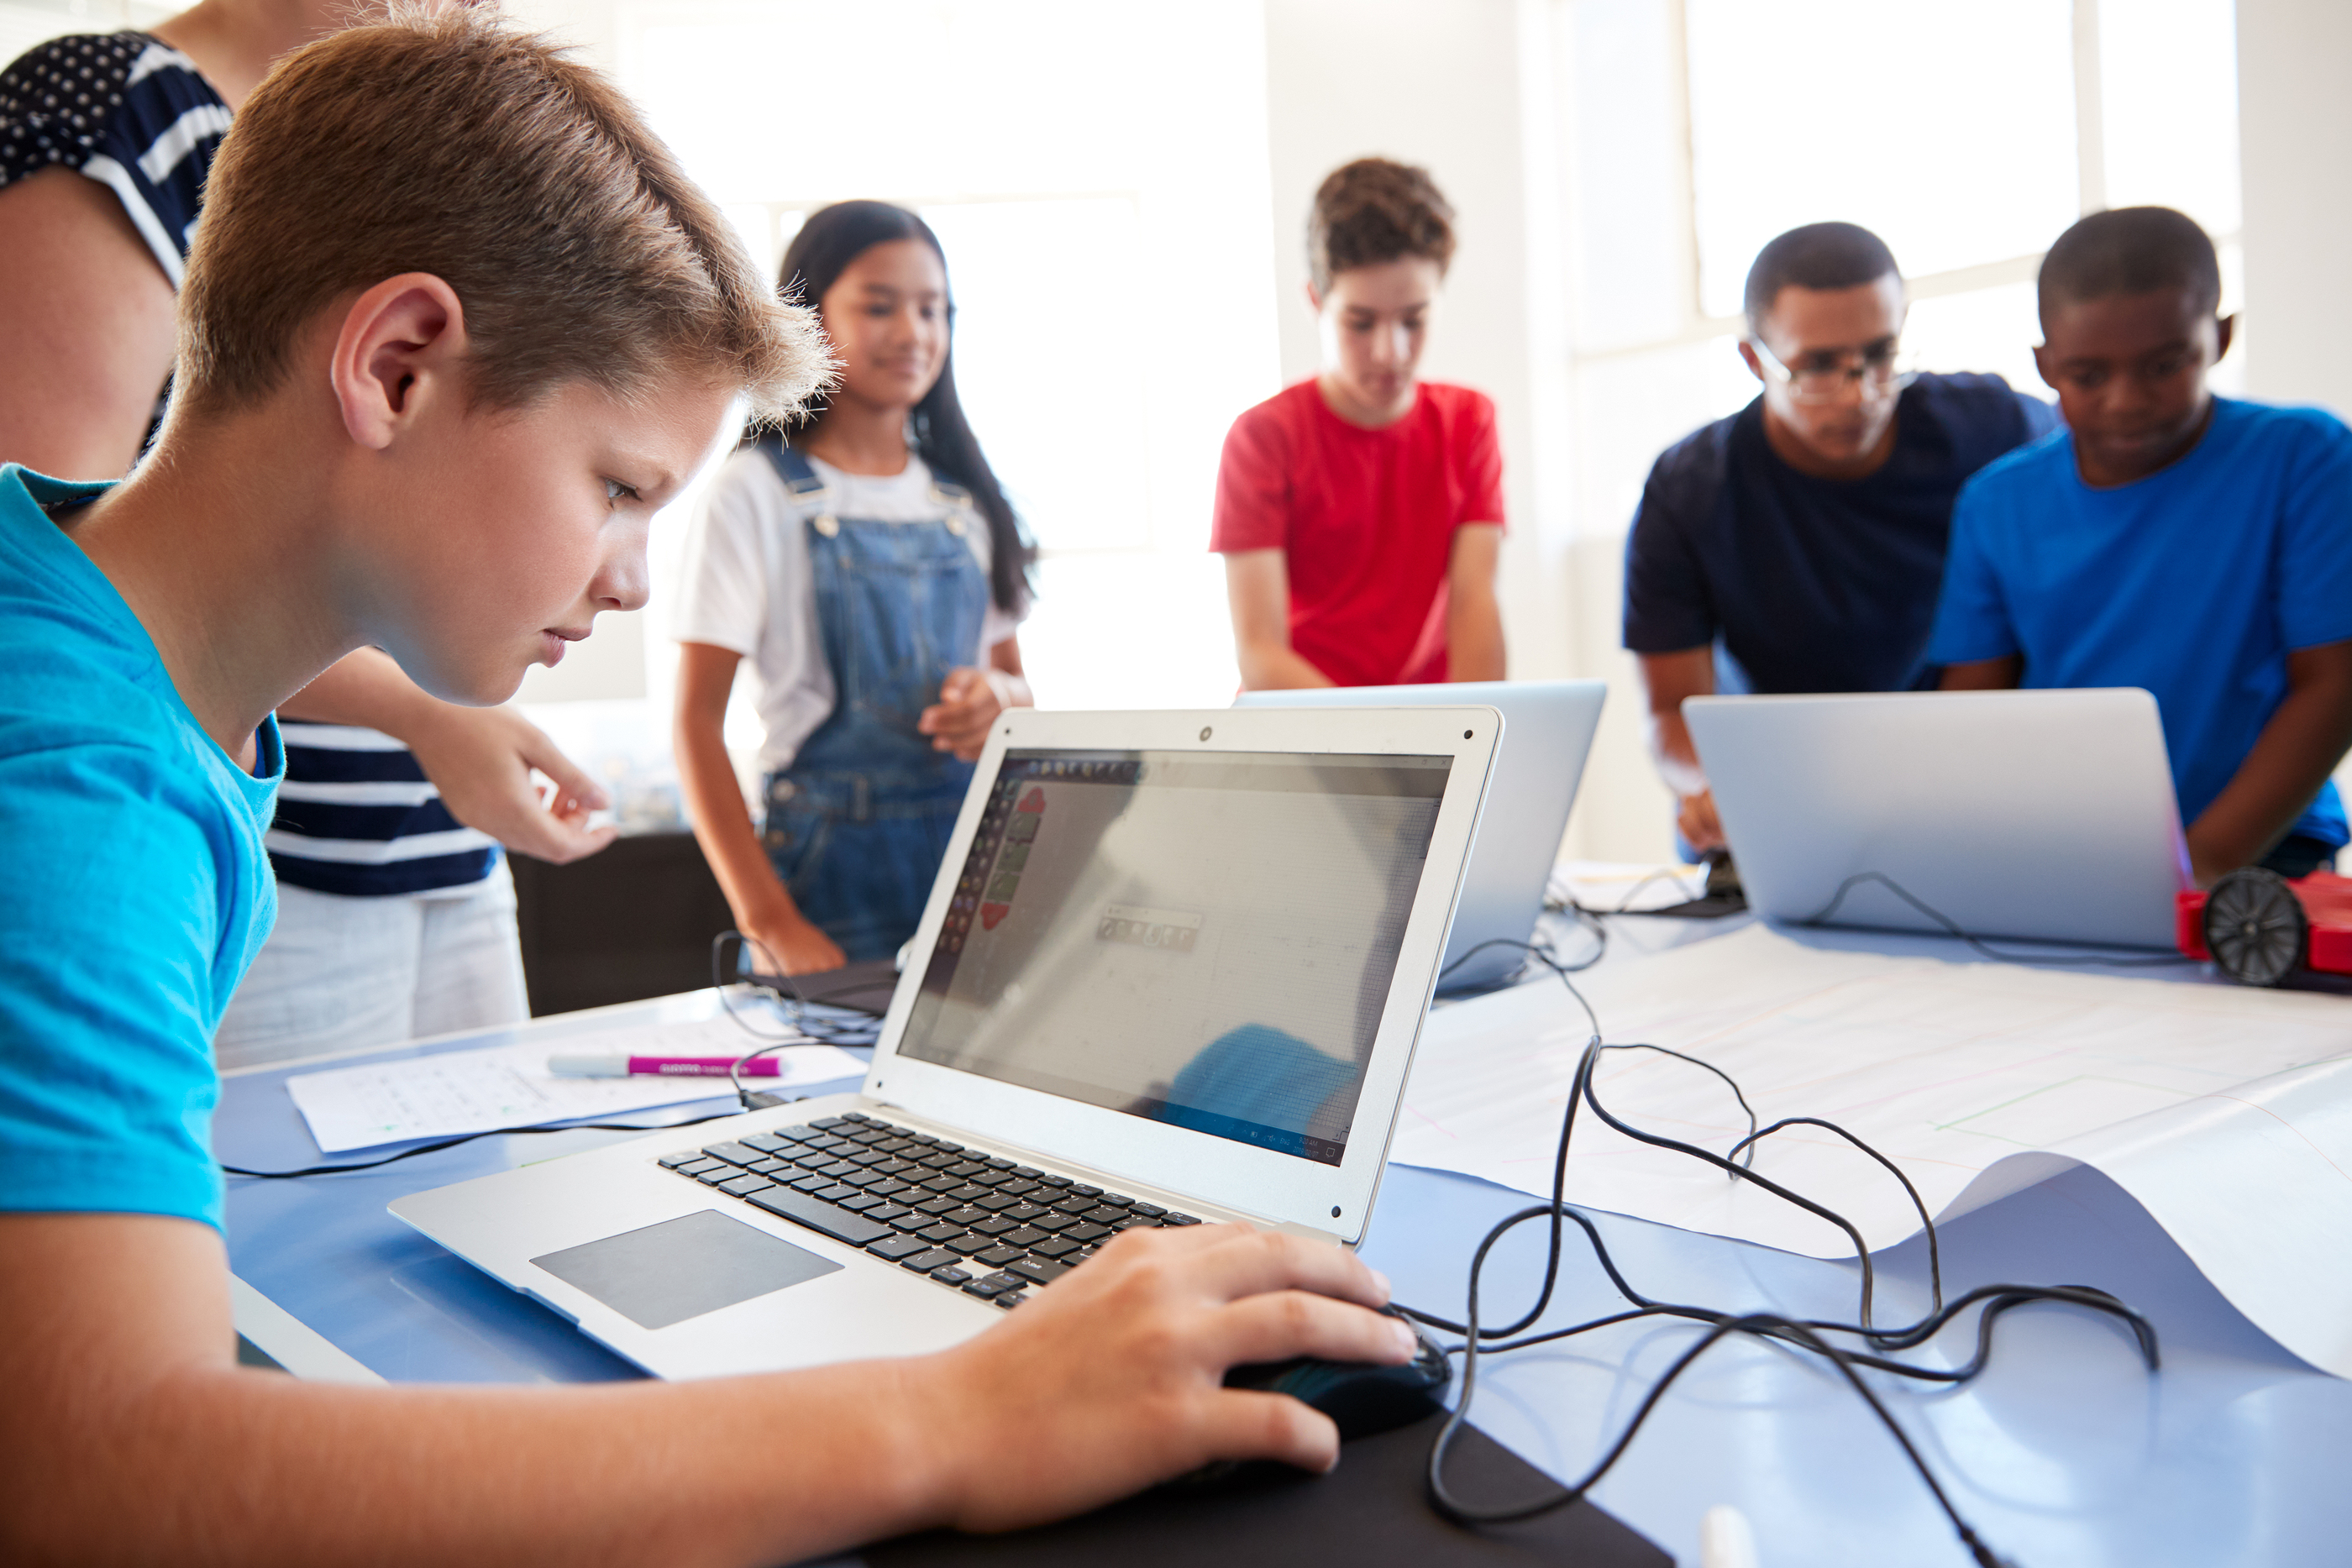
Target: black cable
(808, 1028)
(1977, 942)
(1997, 1301)
(469, 1137)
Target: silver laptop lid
(2043, 815)
(1547, 728)
(1193, 948)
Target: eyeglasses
(1874, 369)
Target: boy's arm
(722, 825)
(1257, 586)
(1670, 680)
(133, 1437)
(1474, 620)
(1983, 675)
(480, 759)
(2292, 757)
(89, 320)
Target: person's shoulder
(2297, 425)
(2018, 475)
(1981, 400)
(1272, 430)
(1698, 466)
(1459, 403)
(66, 99)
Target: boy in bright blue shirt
(2195, 546)
(454, 327)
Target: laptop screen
(1203, 939)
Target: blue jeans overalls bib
(857, 826)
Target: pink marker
(609, 1066)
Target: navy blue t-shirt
(1813, 585)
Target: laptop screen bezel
(1280, 1188)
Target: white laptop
(1547, 728)
(1172, 970)
(2043, 815)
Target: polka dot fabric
(127, 111)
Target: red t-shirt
(1365, 518)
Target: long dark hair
(831, 239)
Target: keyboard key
(865, 1159)
(803, 1209)
(827, 1124)
(864, 1203)
(1090, 1234)
(671, 1162)
(1153, 1209)
(1051, 1247)
(808, 1156)
(700, 1165)
(1027, 1173)
(936, 1205)
(926, 1260)
(770, 1167)
(1053, 1221)
(1073, 1205)
(890, 1213)
(965, 1215)
(970, 1243)
(795, 1134)
(1020, 1187)
(942, 1234)
(998, 1256)
(811, 1182)
(1036, 1270)
(1173, 1219)
(908, 1220)
(894, 1167)
(854, 1116)
(966, 1192)
(1027, 1237)
(1085, 1191)
(1104, 1215)
(1023, 1211)
(766, 1143)
(938, 1183)
(895, 1248)
(997, 1163)
(887, 1187)
(952, 1275)
(861, 1179)
(716, 1174)
(945, 1147)
(994, 1227)
(1117, 1199)
(833, 1194)
(837, 1170)
(1055, 1180)
(1010, 1299)
(989, 1179)
(963, 1168)
(1137, 1222)
(733, 1154)
(745, 1186)
(996, 1202)
(983, 1289)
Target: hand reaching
(481, 760)
(970, 700)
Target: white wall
(2295, 141)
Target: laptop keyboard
(973, 1222)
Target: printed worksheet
(460, 1091)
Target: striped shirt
(356, 814)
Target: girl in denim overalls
(873, 575)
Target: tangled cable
(1805, 1335)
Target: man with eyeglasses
(1797, 546)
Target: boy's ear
(2225, 331)
(401, 339)
(1748, 356)
(2041, 365)
(1314, 299)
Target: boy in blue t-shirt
(456, 462)
(2196, 545)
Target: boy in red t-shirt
(1360, 513)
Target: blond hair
(452, 144)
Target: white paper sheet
(2226, 1111)
(460, 1091)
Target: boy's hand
(1112, 1378)
(970, 700)
(481, 761)
(1695, 819)
(798, 944)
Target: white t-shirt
(748, 585)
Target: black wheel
(2254, 927)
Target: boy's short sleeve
(723, 593)
(111, 938)
(1972, 620)
(1482, 466)
(2314, 563)
(1253, 510)
(1667, 607)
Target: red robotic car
(2261, 929)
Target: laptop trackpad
(683, 1268)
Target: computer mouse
(1360, 1399)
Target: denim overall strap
(858, 823)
